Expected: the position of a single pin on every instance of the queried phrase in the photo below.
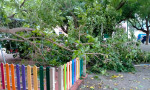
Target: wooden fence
(20, 77)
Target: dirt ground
(140, 80)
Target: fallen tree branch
(61, 46)
(14, 30)
(11, 39)
(96, 54)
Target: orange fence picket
(7, 77)
(13, 77)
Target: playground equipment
(2, 53)
(65, 77)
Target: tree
(84, 20)
(138, 14)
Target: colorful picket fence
(20, 77)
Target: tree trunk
(147, 37)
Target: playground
(74, 44)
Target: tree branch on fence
(11, 39)
(96, 54)
(60, 45)
(39, 50)
(14, 30)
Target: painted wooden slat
(18, 77)
(41, 78)
(64, 76)
(74, 70)
(29, 81)
(7, 77)
(81, 67)
(13, 77)
(65, 84)
(60, 78)
(84, 67)
(78, 68)
(35, 78)
(70, 74)
(48, 78)
(52, 78)
(23, 77)
(2, 75)
(67, 75)
(0, 85)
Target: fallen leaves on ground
(115, 84)
(92, 78)
(91, 87)
(116, 76)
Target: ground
(140, 80)
(145, 47)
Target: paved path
(139, 80)
(145, 47)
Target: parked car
(142, 38)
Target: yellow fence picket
(35, 81)
(29, 81)
(78, 68)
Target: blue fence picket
(23, 77)
(72, 72)
(18, 77)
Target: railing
(39, 78)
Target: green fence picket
(48, 78)
(41, 78)
(81, 67)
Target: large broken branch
(61, 46)
(11, 39)
(96, 54)
(14, 30)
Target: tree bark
(147, 33)
(147, 37)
